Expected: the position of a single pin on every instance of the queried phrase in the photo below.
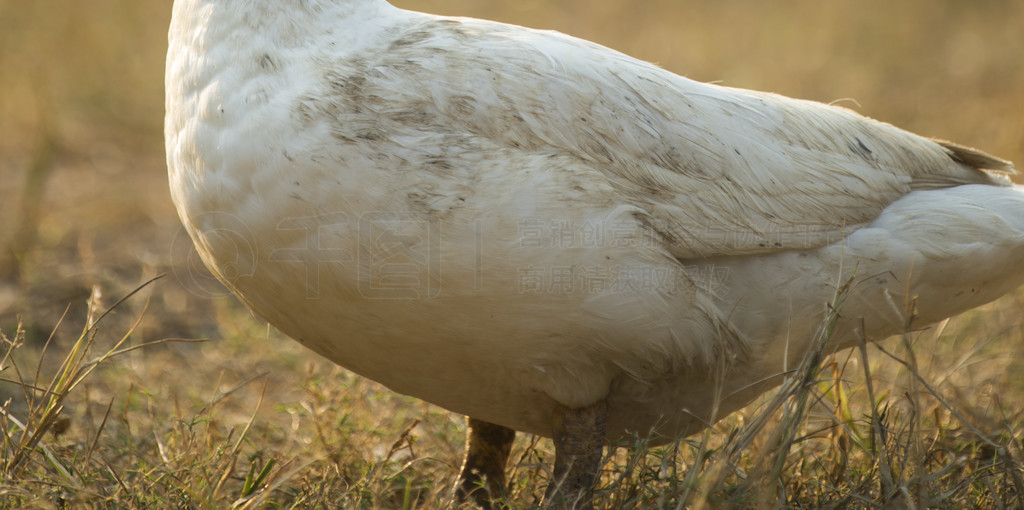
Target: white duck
(547, 235)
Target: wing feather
(717, 170)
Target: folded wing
(716, 170)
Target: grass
(248, 419)
(109, 431)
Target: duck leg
(487, 449)
(579, 437)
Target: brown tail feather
(976, 158)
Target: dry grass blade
(45, 404)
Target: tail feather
(975, 158)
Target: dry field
(248, 419)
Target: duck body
(505, 222)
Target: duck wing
(715, 170)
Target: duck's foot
(483, 471)
(579, 438)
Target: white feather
(500, 220)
